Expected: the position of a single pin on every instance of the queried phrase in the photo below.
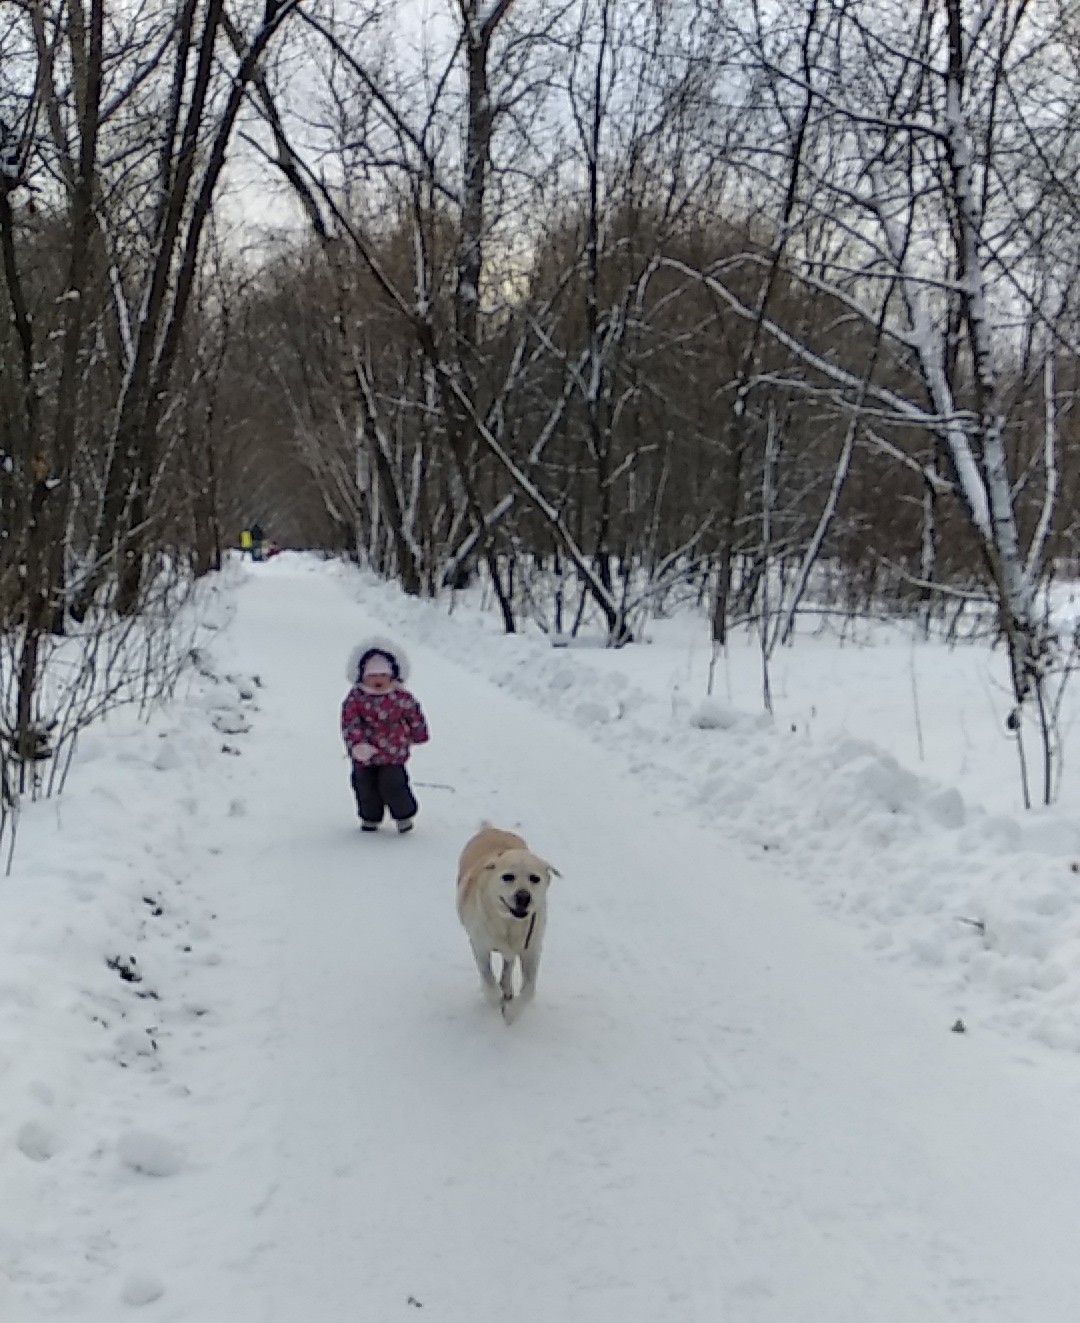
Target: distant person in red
(380, 722)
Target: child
(381, 721)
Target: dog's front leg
(506, 978)
(492, 991)
(530, 967)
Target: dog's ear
(551, 868)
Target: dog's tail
(485, 824)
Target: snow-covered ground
(248, 1077)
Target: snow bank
(106, 945)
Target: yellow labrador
(502, 903)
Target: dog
(502, 903)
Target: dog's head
(517, 882)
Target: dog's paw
(493, 994)
(512, 1008)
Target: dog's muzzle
(520, 908)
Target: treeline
(597, 301)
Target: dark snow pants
(380, 788)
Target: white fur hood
(380, 644)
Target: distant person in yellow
(245, 542)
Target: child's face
(379, 681)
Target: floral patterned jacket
(391, 722)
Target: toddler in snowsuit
(380, 722)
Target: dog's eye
(534, 877)
(509, 877)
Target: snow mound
(142, 1289)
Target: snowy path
(718, 1110)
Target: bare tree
(909, 161)
(114, 130)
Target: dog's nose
(521, 899)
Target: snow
(805, 1044)
(150, 1154)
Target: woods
(608, 305)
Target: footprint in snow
(168, 759)
(36, 1141)
(135, 1043)
(142, 1289)
(149, 1154)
